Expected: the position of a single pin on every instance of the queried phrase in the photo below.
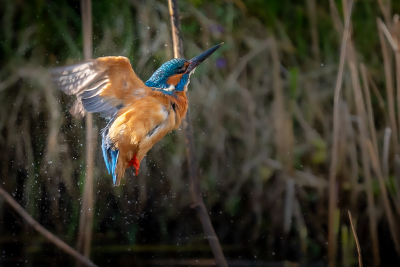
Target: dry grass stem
(289, 203)
(336, 123)
(370, 112)
(43, 231)
(352, 151)
(385, 9)
(359, 101)
(389, 85)
(385, 153)
(396, 51)
(194, 175)
(312, 14)
(360, 264)
(388, 35)
(377, 94)
(335, 16)
(282, 122)
(86, 216)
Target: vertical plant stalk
(284, 139)
(43, 231)
(385, 9)
(389, 85)
(385, 154)
(366, 162)
(394, 44)
(352, 151)
(356, 238)
(190, 150)
(378, 95)
(334, 159)
(282, 121)
(312, 14)
(86, 216)
(289, 203)
(370, 111)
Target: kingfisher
(138, 114)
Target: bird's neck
(181, 106)
(179, 103)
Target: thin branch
(388, 35)
(86, 216)
(176, 28)
(43, 231)
(389, 84)
(370, 111)
(333, 167)
(356, 238)
(190, 150)
(312, 14)
(385, 154)
(377, 93)
(366, 161)
(385, 10)
(393, 44)
(289, 203)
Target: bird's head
(174, 75)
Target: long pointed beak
(194, 62)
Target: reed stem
(194, 178)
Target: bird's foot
(135, 163)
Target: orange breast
(144, 122)
(179, 103)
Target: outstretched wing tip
(103, 84)
(73, 79)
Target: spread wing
(104, 85)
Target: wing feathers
(72, 79)
(96, 104)
(71, 69)
(104, 84)
(95, 90)
(75, 85)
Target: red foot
(135, 163)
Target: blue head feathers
(164, 77)
(174, 75)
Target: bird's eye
(182, 70)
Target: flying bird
(139, 113)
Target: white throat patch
(170, 88)
(186, 86)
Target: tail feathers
(111, 160)
(110, 153)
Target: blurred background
(262, 116)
